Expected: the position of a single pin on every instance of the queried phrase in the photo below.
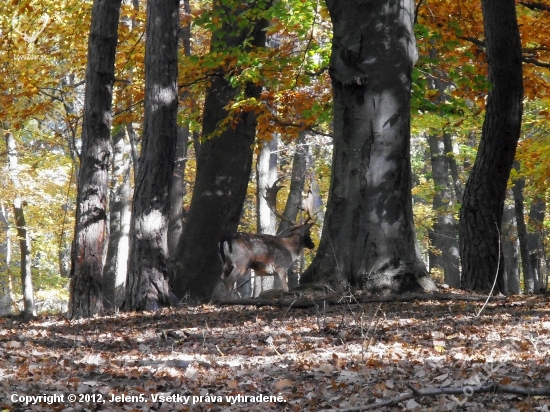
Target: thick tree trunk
(368, 237)
(223, 171)
(482, 205)
(444, 236)
(510, 250)
(147, 285)
(90, 239)
(120, 206)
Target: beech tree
(485, 191)
(90, 237)
(368, 236)
(147, 285)
(225, 160)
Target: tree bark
(120, 207)
(368, 236)
(147, 285)
(485, 191)
(223, 170)
(90, 239)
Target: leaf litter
(239, 358)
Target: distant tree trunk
(297, 181)
(29, 310)
(295, 197)
(530, 282)
(266, 175)
(223, 170)
(147, 285)
(510, 250)
(535, 241)
(368, 236)
(5, 256)
(132, 136)
(444, 236)
(90, 239)
(453, 168)
(25, 247)
(120, 206)
(177, 192)
(483, 202)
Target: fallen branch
(466, 391)
(335, 299)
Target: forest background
(43, 57)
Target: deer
(267, 255)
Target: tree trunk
(29, 310)
(483, 202)
(535, 241)
(510, 250)
(5, 258)
(529, 280)
(297, 181)
(444, 236)
(223, 171)
(147, 284)
(368, 236)
(266, 175)
(90, 239)
(294, 200)
(178, 190)
(120, 206)
(453, 167)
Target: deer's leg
(282, 279)
(230, 279)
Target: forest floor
(346, 357)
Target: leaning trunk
(485, 191)
(368, 236)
